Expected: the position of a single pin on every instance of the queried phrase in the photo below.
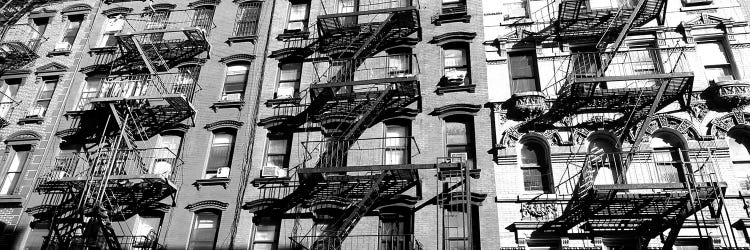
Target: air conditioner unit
(222, 172)
(62, 46)
(35, 111)
(273, 171)
(231, 97)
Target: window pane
(286, 90)
(19, 159)
(9, 183)
(532, 179)
(277, 146)
(456, 133)
(290, 72)
(204, 230)
(712, 53)
(719, 73)
(455, 57)
(522, 66)
(530, 154)
(298, 12)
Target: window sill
(442, 18)
(272, 102)
(31, 119)
(59, 53)
(211, 182)
(74, 112)
(240, 39)
(13, 199)
(448, 89)
(102, 50)
(293, 34)
(227, 104)
(257, 182)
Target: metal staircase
(123, 174)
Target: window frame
(196, 220)
(405, 139)
(43, 98)
(247, 25)
(542, 166)
(305, 20)
(296, 82)
(266, 221)
(10, 154)
(464, 47)
(731, 65)
(524, 3)
(212, 174)
(534, 70)
(225, 95)
(470, 145)
(287, 152)
(108, 36)
(68, 36)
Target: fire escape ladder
(150, 63)
(339, 230)
(642, 129)
(377, 36)
(602, 46)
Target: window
(455, 65)
(399, 64)
(146, 229)
(220, 158)
(515, 8)
(187, 77)
(8, 90)
(715, 58)
(395, 230)
(167, 151)
(248, 14)
(459, 138)
(453, 3)
(40, 25)
(265, 236)
(71, 32)
(35, 240)
(397, 144)
(604, 156)
(523, 72)
(277, 156)
(205, 230)
(157, 20)
(112, 26)
(90, 91)
(45, 97)
(739, 146)
(204, 17)
(14, 165)
(298, 15)
(235, 81)
(667, 160)
(536, 175)
(289, 80)
(460, 226)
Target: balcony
(157, 101)
(125, 242)
(581, 18)
(358, 242)
(645, 192)
(167, 38)
(18, 46)
(630, 83)
(366, 25)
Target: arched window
(604, 156)
(535, 166)
(738, 141)
(664, 165)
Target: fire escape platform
(151, 112)
(359, 186)
(406, 17)
(575, 21)
(393, 80)
(635, 77)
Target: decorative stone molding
(538, 211)
(223, 124)
(207, 204)
(526, 105)
(200, 3)
(23, 137)
(53, 68)
(719, 127)
(237, 58)
(117, 11)
(727, 95)
(707, 22)
(76, 9)
(662, 121)
(159, 6)
(42, 13)
(456, 109)
(449, 37)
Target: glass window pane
(456, 133)
(298, 12)
(277, 146)
(530, 154)
(455, 57)
(9, 183)
(223, 138)
(290, 72)
(712, 53)
(522, 66)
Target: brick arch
(720, 126)
(224, 124)
(681, 126)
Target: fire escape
(620, 88)
(91, 195)
(18, 47)
(343, 177)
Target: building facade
(612, 128)
(374, 124)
